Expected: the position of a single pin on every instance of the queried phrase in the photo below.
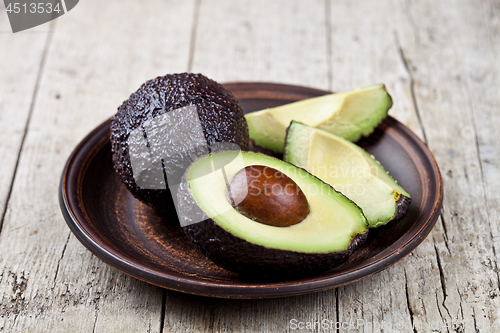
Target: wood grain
(366, 48)
(444, 77)
(278, 41)
(438, 59)
(16, 95)
(274, 41)
(99, 55)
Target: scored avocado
(167, 122)
(321, 234)
(350, 170)
(349, 114)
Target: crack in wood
(163, 309)
(465, 174)
(28, 120)
(337, 312)
(443, 283)
(485, 197)
(408, 302)
(404, 60)
(475, 322)
(495, 261)
(59, 261)
(95, 322)
(440, 313)
(472, 117)
(15, 319)
(461, 326)
(445, 232)
(423, 307)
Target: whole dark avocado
(243, 237)
(221, 117)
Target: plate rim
(255, 290)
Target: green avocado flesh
(349, 114)
(331, 225)
(349, 169)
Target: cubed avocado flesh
(334, 227)
(349, 114)
(350, 170)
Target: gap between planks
(28, 120)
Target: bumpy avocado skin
(222, 120)
(258, 261)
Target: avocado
(166, 124)
(350, 170)
(349, 114)
(226, 206)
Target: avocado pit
(268, 196)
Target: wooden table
(439, 60)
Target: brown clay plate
(132, 238)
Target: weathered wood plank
(185, 313)
(21, 57)
(381, 62)
(365, 49)
(454, 63)
(99, 55)
(277, 41)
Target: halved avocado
(349, 114)
(331, 231)
(350, 170)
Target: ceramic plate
(132, 238)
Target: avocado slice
(167, 123)
(350, 170)
(333, 228)
(349, 114)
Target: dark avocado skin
(222, 120)
(403, 206)
(251, 260)
(256, 261)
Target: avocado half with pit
(350, 170)
(350, 114)
(260, 216)
(167, 121)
